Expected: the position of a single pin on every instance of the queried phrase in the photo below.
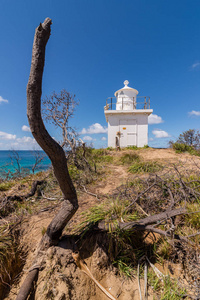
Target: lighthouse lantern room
(127, 117)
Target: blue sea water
(26, 160)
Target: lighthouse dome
(126, 97)
(126, 90)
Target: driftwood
(158, 218)
(54, 152)
(148, 224)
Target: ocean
(26, 159)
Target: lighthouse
(127, 117)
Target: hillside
(150, 181)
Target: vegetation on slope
(145, 194)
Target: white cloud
(194, 113)
(26, 139)
(103, 138)
(7, 136)
(87, 138)
(195, 65)
(3, 100)
(154, 119)
(18, 143)
(25, 128)
(94, 128)
(151, 139)
(160, 133)
(26, 142)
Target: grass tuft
(112, 211)
(10, 258)
(129, 158)
(144, 167)
(168, 288)
(5, 186)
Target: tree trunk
(52, 149)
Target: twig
(142, 193)
(48, 198)
(192, 235)
(89, 193)
(138, 277)
(142, 210)
(159, 274)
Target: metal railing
(111, 103)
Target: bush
(188, 141)
(179, 147)
(190, 137)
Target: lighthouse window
(121, 93)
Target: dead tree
(58, 109)
(54, 152)
(39, 157)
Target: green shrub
(182, 147)
(73, 172)
(110, 148)
(147, 167)
(99, 152)
(132, 148)
(5, 186)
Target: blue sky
(94, 46)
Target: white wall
(141, 129)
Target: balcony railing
(123, 103)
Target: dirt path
(117, 176)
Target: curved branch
(53, 150)
(34, 91)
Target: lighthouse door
(128, 133)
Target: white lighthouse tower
(127, 117)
